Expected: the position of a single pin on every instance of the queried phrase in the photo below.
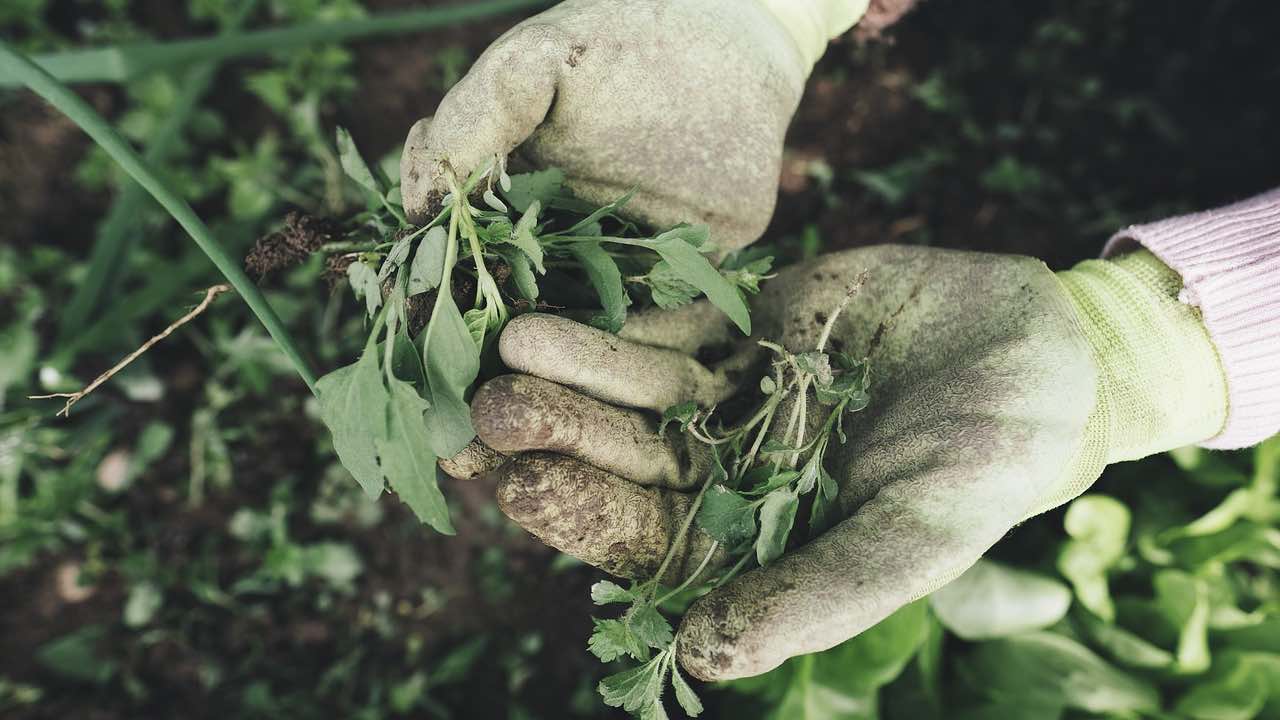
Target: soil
(1203, 77)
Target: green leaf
(145, 600)
(364, 282)
(993, 600)
(521, 273)
(604, 276)
(649, 626)
(1237, 691)
(690, 265)
(76, 656)
(1099, 528)
(606, 592)
(727, 516)
(522, 236)
(1124, 646)
(613, 639)
(353, 404)
(1042, 669)
(407, 460)
(1184, 601)
(541, 187)
(685, 695)
(681, 414)
(427, 269)
(599, 214)
(666, 287)
(635, 688)
(452, 360)
(777, 515)
(354, 165)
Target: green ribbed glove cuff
(1160, 382)
(813, 23)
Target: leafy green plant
(747, 504)
(403, 404)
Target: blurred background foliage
(186, 543)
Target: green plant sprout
(403, 404)
(747, 505)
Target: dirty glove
(685, 101)
(999, 390)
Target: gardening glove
(999, 390)
(684, 101)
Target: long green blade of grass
(119, 231)
(55, 93)
(117, 64)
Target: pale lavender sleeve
(1229, 260)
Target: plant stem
(684, 530)
(120, 63)
(58, 95)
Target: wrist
(812, 24)
(1161, 382)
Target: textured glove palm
(998, 392)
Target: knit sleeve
(1229, 260)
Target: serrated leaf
(605, 277)
(407, 460)
(654, 711)
(427, 270)
(777, 515)
(691, 266)
(633, 689)
(353, 404)
(650, 627)
(364, 283)
(685, 695)
(542, 187)
(606, 592)
(613, 639)
(354, 165)
(452, 361)
(727, 516)
(668, 290)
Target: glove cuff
(1161, 381)
(814, 23)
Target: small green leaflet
(522, 236)
(521, 272)
(603, 273)
(688, 263)
(354, 165)
(777, 515)
(428, 263)
(727, 516)
(681, 414)
(541, 187)
(407, 460)
(452, 360)
(606, 592)
(649, 625)
(353, 404)
(636, 688)
(684, 694)
(613, 639)
(667, 289)
(364, 283)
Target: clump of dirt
(288, 247)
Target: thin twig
(72, 398)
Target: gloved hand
(999, 390)
(686, 101)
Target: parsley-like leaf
(685, 695)
(636, 688)
(606, 592)
(613, 639)
(649, 626)
(727, 516)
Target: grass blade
(119, 63)
(55, 93)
